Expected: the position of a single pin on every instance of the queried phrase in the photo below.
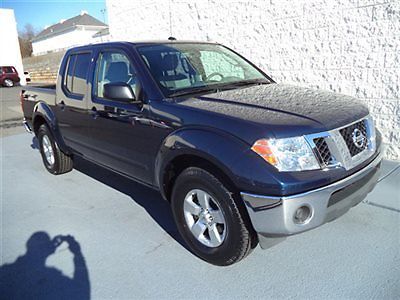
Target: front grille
(347, 134)
(323, 153)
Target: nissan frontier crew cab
(241, 159)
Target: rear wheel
(8, 83)
(209, 219)
(55, 161)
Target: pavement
(10, 111)
(131, 247)
(124, 244)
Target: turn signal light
(262, 148)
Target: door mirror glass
(119, 91)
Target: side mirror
(26, 73)
(119, 91)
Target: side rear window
(76, 73)
(69, 73)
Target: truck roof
(140, 43)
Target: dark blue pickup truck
(242, 160)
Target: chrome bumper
(274, 216)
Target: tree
(25, 37)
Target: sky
(41, 13)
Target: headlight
(289, 154)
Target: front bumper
(275, 216)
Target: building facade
(76, 31)
(10, 54)
(346, 46)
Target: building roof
(81, 20)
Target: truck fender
(230, 155)
(202, 143)
(43, 111)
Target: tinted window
(8, 69)
(190, 65)
(80, 72)
(113, 67)
(78, 65)
(70, 70)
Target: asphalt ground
(10, 111)
(129, 247)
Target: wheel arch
(216, 151)
(185, 160)
(43, 114)
(180, 159)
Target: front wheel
(209, 219)
(55, 161)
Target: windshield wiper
(218, 87)
(245, 82)
(194, 90)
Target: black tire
(239, 236)
(62, 162)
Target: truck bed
(33, 94)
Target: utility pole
(103, 11)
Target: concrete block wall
(346, 46)
(43, 68)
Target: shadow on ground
(29, 277)
(149, 199)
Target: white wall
(10, 54)
(347, 46)
(101, 39)
(67, 39)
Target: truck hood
(282, 110)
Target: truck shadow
(149, 199)
(29, 277)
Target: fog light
(302, 215)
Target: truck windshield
(185, 68)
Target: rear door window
(76, 74)
(69, 73)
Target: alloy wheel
(204, 218)
(48, 150)
(8, 82)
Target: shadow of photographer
(29, 277)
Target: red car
(8, 76)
